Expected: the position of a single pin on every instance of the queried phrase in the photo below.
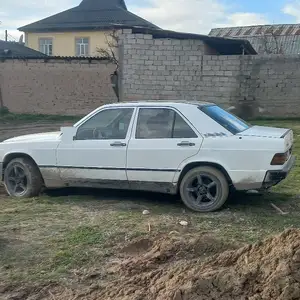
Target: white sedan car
(195, 149)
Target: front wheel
(22, 178)
(204, 189)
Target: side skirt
(52, 179)
(157, 187)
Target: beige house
(81, 30)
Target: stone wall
(56, 86)
(180, 69)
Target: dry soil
(180, 268)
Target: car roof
(159, 103)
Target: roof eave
(80, 27)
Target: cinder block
(127, 31)
(148, 37)
(158, 42)
(158, 53)
(187, 48)
(167, 42)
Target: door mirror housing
(68, 134)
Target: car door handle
(118, 144)
(186, 144)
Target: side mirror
(68, 134)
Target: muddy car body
(196, 149)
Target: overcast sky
(197, 16)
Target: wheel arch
(10, 156)
(196, 164)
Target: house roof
(17, 50)
(224, 46)
(257, 30)
(278, 39)
(89, 14)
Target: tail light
(280, 158)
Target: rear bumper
(274, 177)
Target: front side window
(106, 125)
(82, 46)
(229, 121)
(46, 46)
(162, 123)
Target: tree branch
(111, 51)
(268, 39)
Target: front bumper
(274, 177)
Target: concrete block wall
(270, 85)
(56, 86)
(154, 69)
(181, 69)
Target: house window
(82, 47)
(46, 45)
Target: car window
(107, 124)
(162, 123)
(229, 121)
(181, 129)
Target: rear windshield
(229, 121)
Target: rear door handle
(186, 144)
(118, 144)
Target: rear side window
(181, 130)
(162, 123)
(229, 121)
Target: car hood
(267, 132)
(49, 136)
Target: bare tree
(271, 43)
(111, 52)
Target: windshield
(229, 121)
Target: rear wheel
(204, 189)
(22, 178)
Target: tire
(24, 173)
(204, 189)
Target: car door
(162, 139)
(97, 155)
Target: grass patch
(9, 117)
(274, 119)
(85, 235)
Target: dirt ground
(175, 270)
(184, 268)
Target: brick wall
(180, 69)
(55, 87)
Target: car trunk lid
(271, 132)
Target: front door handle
(186, 144)
(118, 144)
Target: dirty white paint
(245, 156)
(52, 177)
